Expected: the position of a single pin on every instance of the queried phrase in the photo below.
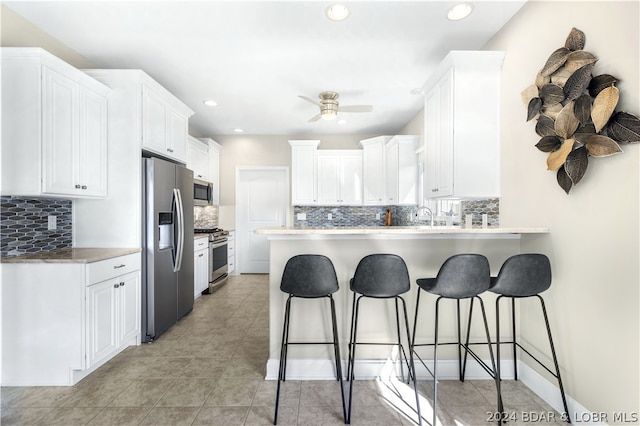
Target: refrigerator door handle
(180, 237)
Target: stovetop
(215, 234)
(207, 230)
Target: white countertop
(400, 230)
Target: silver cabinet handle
(169, 149)
(119, 266)
(84, 186)
(116, 285)
(77, 186)
(122, 284)
(200, 255)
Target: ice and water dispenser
(165, 228)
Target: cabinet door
(328, 179)
(214, 173)
(373, 173)
(92, 149)
(351, 179)
(177, 131)
(439, 138)
(101, 320)
(201, 271)
(60, 133)
(303, 175)
(407, 172)
(128, 293)
(391, 182)
(198, 159)
(154, 129)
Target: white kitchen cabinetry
(303, 172)
(61, 321)
(339, 177)
(201, 265)
(113, 315)
(54, 127)
(214, 169)
(373, 170)
(401, 170)
(113, 222)
(231, 252)
(198, 158)
(165, 122)
(462, 137)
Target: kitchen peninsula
(424, 249)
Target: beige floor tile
(221, 416)
(22, 416)
(125, 416)
(266, 394)
(239, 366)
(321, 416)
(171, 416)
(68, 416)
(142, 393)
(235, 391)
(187, 392)
(96, 392)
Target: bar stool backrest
(381, 275)
(309, 275)
(523, 275)
(462, 276)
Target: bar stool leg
(336, 347)
(498, 376)
(555, 360)
(493, 361)
(513, 333)
(353, 315)
(283, 356)
(412, 366)
(435, 363)
(400, 349)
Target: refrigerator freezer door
(159, 280)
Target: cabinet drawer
(200, 243)
(110, 268)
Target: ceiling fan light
(337, 12)
(210, 102)
(328, 115)
(459, 11)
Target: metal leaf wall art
(576, 112)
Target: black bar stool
(462, 276)
(521, 276)
(308, 276)
(380, 276)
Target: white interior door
(262, 201)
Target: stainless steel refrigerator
(167, 244)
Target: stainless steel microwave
(202, 193)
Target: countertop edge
(71, 255)
(400, 231)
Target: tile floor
(209, 370)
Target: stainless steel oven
(218, 258)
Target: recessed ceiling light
(210, 102)
(460, 11)
(238, 130)
(337, 12)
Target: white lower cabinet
(61, 321)
(231, 252)
(200, 266)
(113, 315)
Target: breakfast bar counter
(423, 248)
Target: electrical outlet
(301, 216)
(377, 216)
(330, 216)
(52, 223)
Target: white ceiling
(255, 58)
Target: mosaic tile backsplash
(205, 217)
(365, 216)
(24, 225)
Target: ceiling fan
(329, 106)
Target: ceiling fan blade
(355, 108)
(315, 118)
(309, 100)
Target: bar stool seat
(308, 276)
(522, 276)
(380, 276)
(462, 276)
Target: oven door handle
(218, 244)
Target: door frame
(239, 171)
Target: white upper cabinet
(339, 177)
(198, 158)
(54, 127)
(401, 170)
(461, 126)
(373, 170)
(303, 172)
(214, 169)
(390, 170)
(165, 122)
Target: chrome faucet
(419, 209)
